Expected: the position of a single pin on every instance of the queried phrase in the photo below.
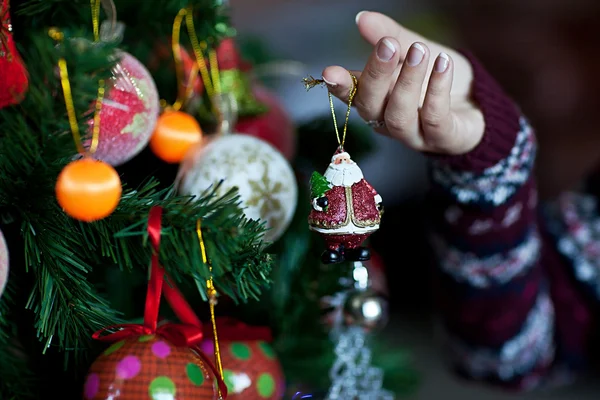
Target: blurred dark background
(544, 52)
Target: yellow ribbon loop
(311, 82)
(185, 89)
(212, 297)
(342, 140)
(95, 4)
(58, 36)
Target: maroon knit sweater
(516, 280)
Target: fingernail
(441, 64)
(386, 50)
(415, 55)
(330, 84)
(358, 16)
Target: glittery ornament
(149, 367)
(129, 112)
(346, 210)
(251, 369)
(265, 180)
(13, 74)
(3, 263)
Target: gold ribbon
(68, 95)
(311, 82)
(212, 299)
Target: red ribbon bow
(188, 333)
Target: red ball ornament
(275, 126)
(251, 369)
(149, 367)
(13, 74)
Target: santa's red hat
(340, 153)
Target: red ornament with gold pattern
(346, 209)
(251, 369)
(13, 74)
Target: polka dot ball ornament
(149, 367)
(155, 361)
(251, 369)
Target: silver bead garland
(352, 375)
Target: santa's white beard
(343, 174)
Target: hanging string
(311, 82)
(184, 90)
(70, 106)
(212, 298)
(95, 4)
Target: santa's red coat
(355, 204)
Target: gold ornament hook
(310, 82)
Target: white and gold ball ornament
(265, 180)
(3, 263)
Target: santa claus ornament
(346, 209)
(13, 74)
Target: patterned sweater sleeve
(496, 314)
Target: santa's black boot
(331, 257)
(358, 254)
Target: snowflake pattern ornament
(265, 180)
(346, 209)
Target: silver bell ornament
(367, 309)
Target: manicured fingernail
(415, 55)
(386, 50)
(441, 64)
(357, 18)
(330, 84)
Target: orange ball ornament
(175, 134)
(88, 190)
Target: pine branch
(233, 243)
(62, 254)
(17, 380)
(140, 17)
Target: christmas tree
(81, 77)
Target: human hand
(436, 117)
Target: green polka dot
(265, 385)
(114, 347)
(229, 379)
(161, 387)
(240, 350)
(145, 338)
(195, 374)
(267, 349)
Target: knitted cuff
(501, 117)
